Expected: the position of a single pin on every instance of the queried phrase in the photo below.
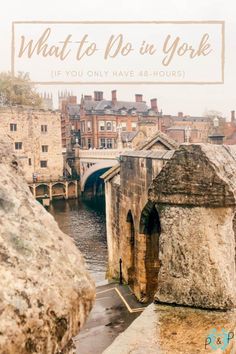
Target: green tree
(18, 90)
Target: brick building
(98, 123)
(193, 129)
(102, 120)
(36, 139)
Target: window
(13, 127)
(134, 126)
(102, 143)
(109, 143)
(101, 125)
(30, 162)
(109, 126)
(89, 143)
(89, 126)
(44, 148)
(43, 163)
(18, 146)
(123, 126)
(44, 128)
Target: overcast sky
(191, 99)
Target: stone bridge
(91, 164)
(54, 189)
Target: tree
(212, 113)
(18, 90)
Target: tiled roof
(142, 151)
(73, 109)
(128, 136)
(101, 105)
(158, 136)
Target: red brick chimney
(113, 97)
(138, 97)
(232, 116)
(180, 115)
(154, 104)
(98, 95)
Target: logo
(218, 339)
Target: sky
(190, 99)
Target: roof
(101, 105)
(73, 109)
(158, 137)
(111, 172)
(128, 136)
(197, 175)
(153, 154)
(143, 151)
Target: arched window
(150, 226)
(131, 248)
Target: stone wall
(173, 223)
(195, 196)
(46, 293)
(126, 198)
(29, 133)
(197, 255)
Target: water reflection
(85, 222)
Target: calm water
(85, 222)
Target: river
(85, 223)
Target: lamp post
(121, 278)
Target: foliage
(18, 90)
(212, 113)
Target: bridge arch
(95, 168)
(59, 189)
(41, 190)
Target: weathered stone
(199, 175)
(174, 330)
(195, 196)
(197, 257)
(126, 188)
(45, 293)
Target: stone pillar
(50, 191)
(76, 189)
(66, 185)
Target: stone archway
(150, 226)
(72, 192)
(131, 248)
(42, 190)
(58, 190)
